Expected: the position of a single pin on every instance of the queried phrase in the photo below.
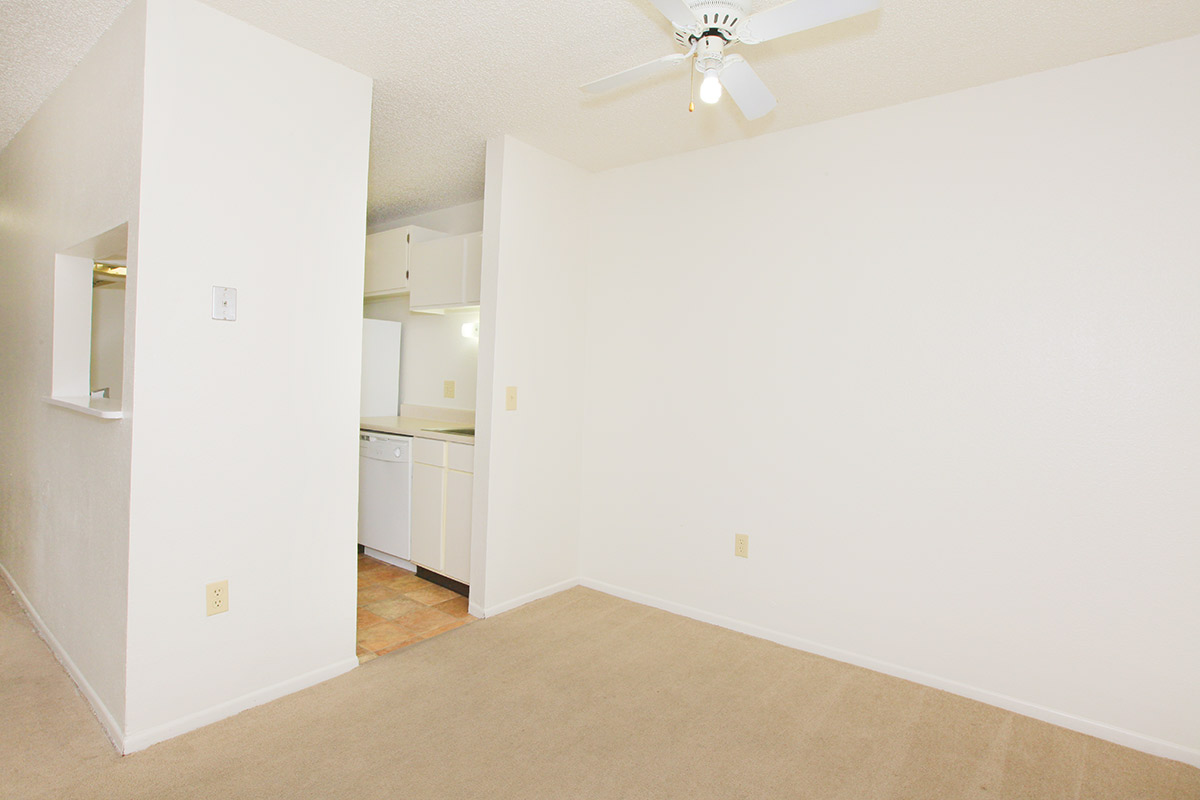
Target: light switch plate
(224, 303)
(448, 389)
(510, 398)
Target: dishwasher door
(384, 493)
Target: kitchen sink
(454, 431)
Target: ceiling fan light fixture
(710, 87)
(704, 28)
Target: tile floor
(396, 609)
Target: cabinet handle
(405, 274)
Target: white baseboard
(140, 740)
(509, 605)
(1101, 730)
(388, 558)
(130, 743)
(107, 721)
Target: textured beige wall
(70, 174)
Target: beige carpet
(580, 695)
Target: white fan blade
(746, 88)
(799, 15)
(677, 11)
(634, 74)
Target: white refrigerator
(380, 369)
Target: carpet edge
(108, 722)
(1101, 730)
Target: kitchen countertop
(415, 426)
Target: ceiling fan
(706, 28)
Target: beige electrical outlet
(448, 389)
(510, 398)
(741, 545)
(218, 597)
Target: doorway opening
(398, 607)
(416, 452)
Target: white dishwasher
(385, 496)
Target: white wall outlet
(224, 303)
(448, 389)
(510, 398)
(741, 545)
(217, 597)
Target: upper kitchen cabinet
(389, 259)
(445, 272)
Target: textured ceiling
(450, 73)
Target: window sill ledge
(103, 407)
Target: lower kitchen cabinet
(442, 486)
(457, 561)
(427, 515)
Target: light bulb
(710, 87)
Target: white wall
(527, 462)
(244, 466)
(432, 350)
(940, 362)
(71, 173)
(465, 218)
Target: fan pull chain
(692, 87)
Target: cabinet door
(437, 273)
(427, 505)
(458, 525)
(429, 451)
(472, 268)
(387, 262)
